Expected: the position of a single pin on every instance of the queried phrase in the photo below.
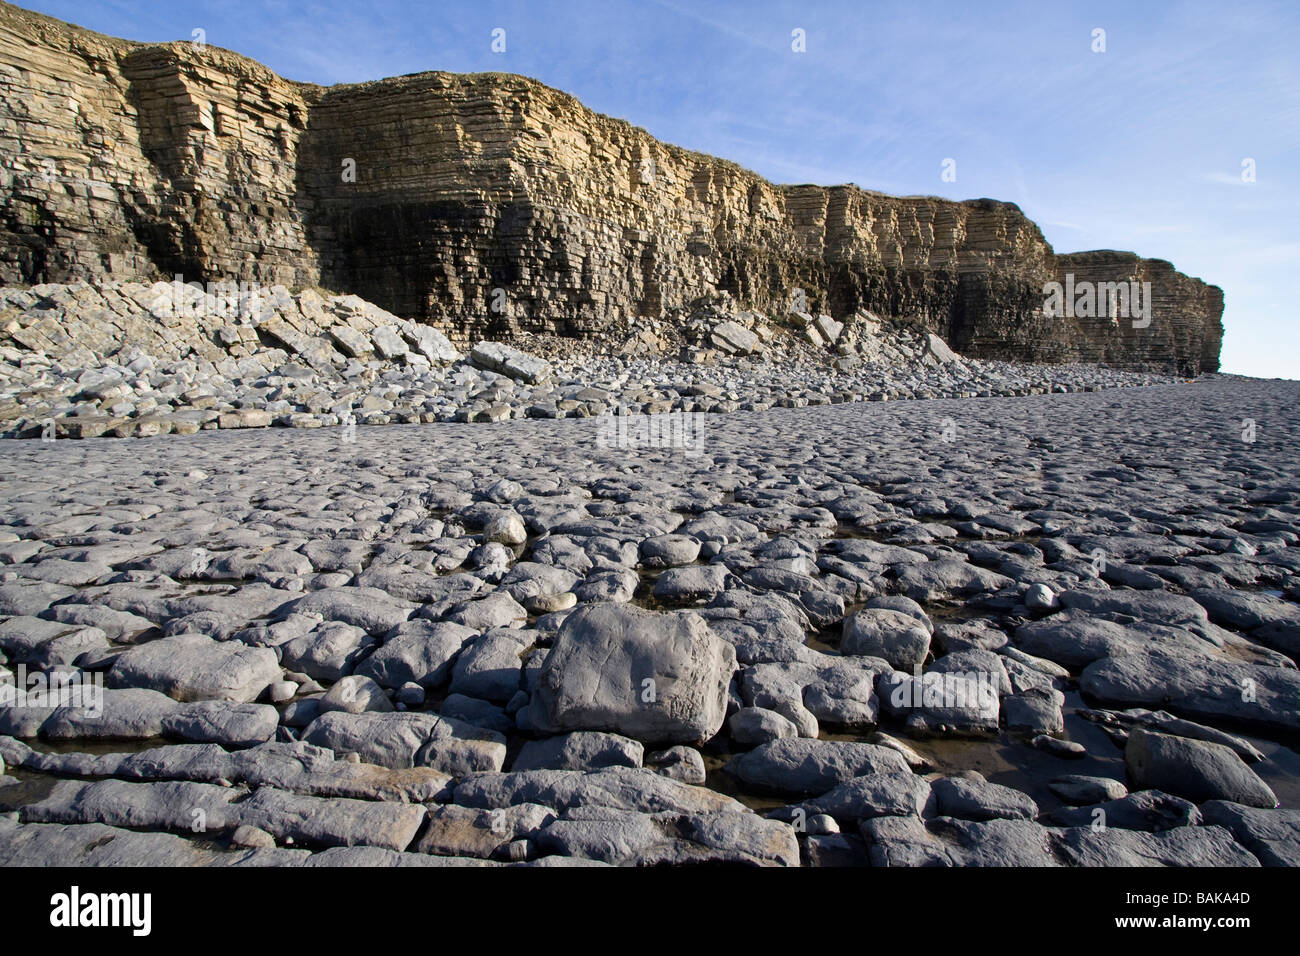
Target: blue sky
(1138, 148)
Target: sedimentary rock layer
(429, 193)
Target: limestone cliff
(485, 203)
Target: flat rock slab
(370, 609)
(971, 797)
(465, 831)
(1271, 835)
(899, 841)
(400, 740)
(1195, 769)
(98, 845)
(190, 667)
(874, 795)
(295, 768)
(187, 807)
(629, 838)
(138, 714)
(799, 765)
(1201, 688)
(420, 652)
(580, 750)
(621, 788)
(510, 361)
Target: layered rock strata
(489, 203)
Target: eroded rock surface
(318, 640)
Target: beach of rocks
(134, 360)
(1057, 628)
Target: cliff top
(51, 31)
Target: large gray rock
(895, 636)
(751, 726)
(1149, 810)
(1075, 639)
(692, 583)
(1270, 620)
(734, 338)
(668, 550)
(221, 722)
(296, 768)
(798, 765)
(419, 651)
(1204, 846)
(186, 807)
(399, 740)
(97, 845)
(490, 668)
(1163, 722)
(874, 795)
(629, 838)
(947, 579)
(1036, 710)
(370, 609)
(338, 821)
(1204, 687)
(971, 797)
(431, 343)
(653, 677)
(1079, 789)
(942, 703)
(580, 750)
(34, 640)
(1157, 607)
(1195, 769)
(388, 343)
(464, 831)
(623, 788)
(907, 841)
(195, 667)
(1273, 836)
(510, 361)
(355, 694)
(30, 597)
(937, 349)
(328, 652)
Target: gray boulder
(190, 667)
(511, 362)
(490, 668)
(328, 652)
(1273, 836)
(1150, 810)
(971, 797)
(618, 668)
(623, 788)
(399, 740)
(580, 750)
(1195, 769)
(417, 651)
(1204, 687)
(895, 636)
(799, 765)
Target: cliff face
(484, 203)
